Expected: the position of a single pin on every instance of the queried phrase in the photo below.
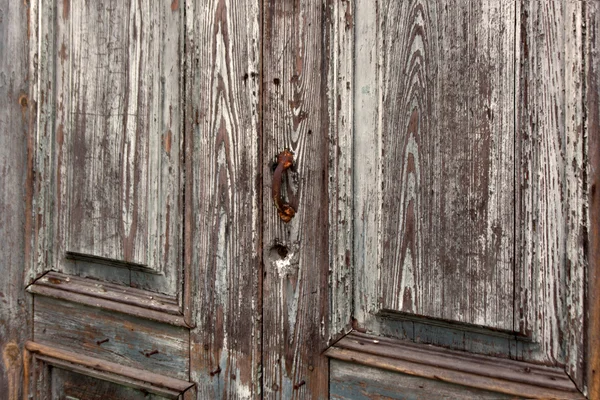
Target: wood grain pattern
(574, 193)
(296, 50)
(485, 373)
(545, 160)
(592, 129)
(14, 119)
(41, 360)
(71, 385)
(358, 382)
(448, 160)
(108, 142)
(222, 195)
(550, 203)
(340, 87)
(112, 336)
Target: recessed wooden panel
(68, 385)
(78, 374)
(447, 153)
(112, 336)
(108, 148)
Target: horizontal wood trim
(139, 303)
(499, 375)
(110, 371)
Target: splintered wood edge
(487, 373)
(105, 370)
(110, 297)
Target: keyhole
(278, 252)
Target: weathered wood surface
(296, 51)
(447, 159)
(358, 382)
(222, 221)
(43, 361)
(435, 120)
(340, 89)
(592, 129)
(112, 336)
(108, 142)
(574, 192)
(91, 292)
(71, 385)
(487, 373)
(447, 210)
(14, 120)
(550, 204)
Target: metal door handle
(285, 159)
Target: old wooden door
(157, 261)
(439, 185)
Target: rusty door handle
(285, 159)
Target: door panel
(108, 151)
(447, 138)
(468, 124)
(106, 265)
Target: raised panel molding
(509, 377)
(95, 293)
(40, 358)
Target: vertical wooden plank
(592, 112)
(448, 160)
(14, 119)
(222, 195)
(296, 50)
(367, 159)
(575, 193)
(550, 200)
(41, 66)
(339, 93)
(539, 213)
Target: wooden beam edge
(107, 370)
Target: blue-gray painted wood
(357, 382)
(15, 107)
